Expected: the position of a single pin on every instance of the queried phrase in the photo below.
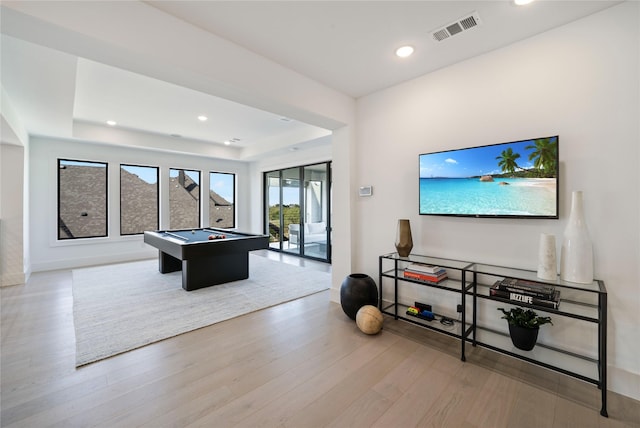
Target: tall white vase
(547, 261)
(576, 255)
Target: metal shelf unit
(583, 302)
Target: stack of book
(423, 272)
(530, 292)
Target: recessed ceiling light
(522, 2)
(202, 118)
(404, 51)
(111, 122)
(226, 143)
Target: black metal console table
(583, 302)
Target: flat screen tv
(509, 180)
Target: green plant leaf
(524, 317)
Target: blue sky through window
(148, 174)
(194, 175)
(222, 184)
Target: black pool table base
(206, 271)
(204, 261)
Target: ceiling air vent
(466, 23)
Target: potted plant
(524, 325)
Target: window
(184, 199)
(222, 191)
(82, 199)
(139, 202)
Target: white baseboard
(624, 382)
(93, 261)
(335, 295)
(9, 279)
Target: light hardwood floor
(300, 364)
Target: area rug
(117, 308)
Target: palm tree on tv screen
(544, 155)
(508, 161)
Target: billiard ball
(212, 237)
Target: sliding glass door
(283, 209)
(297, 210)
(315, 192)
(273, 207)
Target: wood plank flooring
(300, 364)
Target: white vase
(547, 261)
(576, 255)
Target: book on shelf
(552, 302)
(425, 277)
(424, 268)
(529, 288)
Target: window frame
(200, 193)
(233, 203)
(60, 223)
(157, 168)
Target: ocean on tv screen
(470, 196)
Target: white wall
(14, 150)
(48, 253)
(580, 81)
(11, 214)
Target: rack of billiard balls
(216, 236)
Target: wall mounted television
(508, 180)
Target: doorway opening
(297, 209)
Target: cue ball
(193, 231)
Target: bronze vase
(404, 242)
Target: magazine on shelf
(530, 288)
(424, 268)
(425, 277)
(552, 302)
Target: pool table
(205, 261)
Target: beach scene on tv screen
(510, 179)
